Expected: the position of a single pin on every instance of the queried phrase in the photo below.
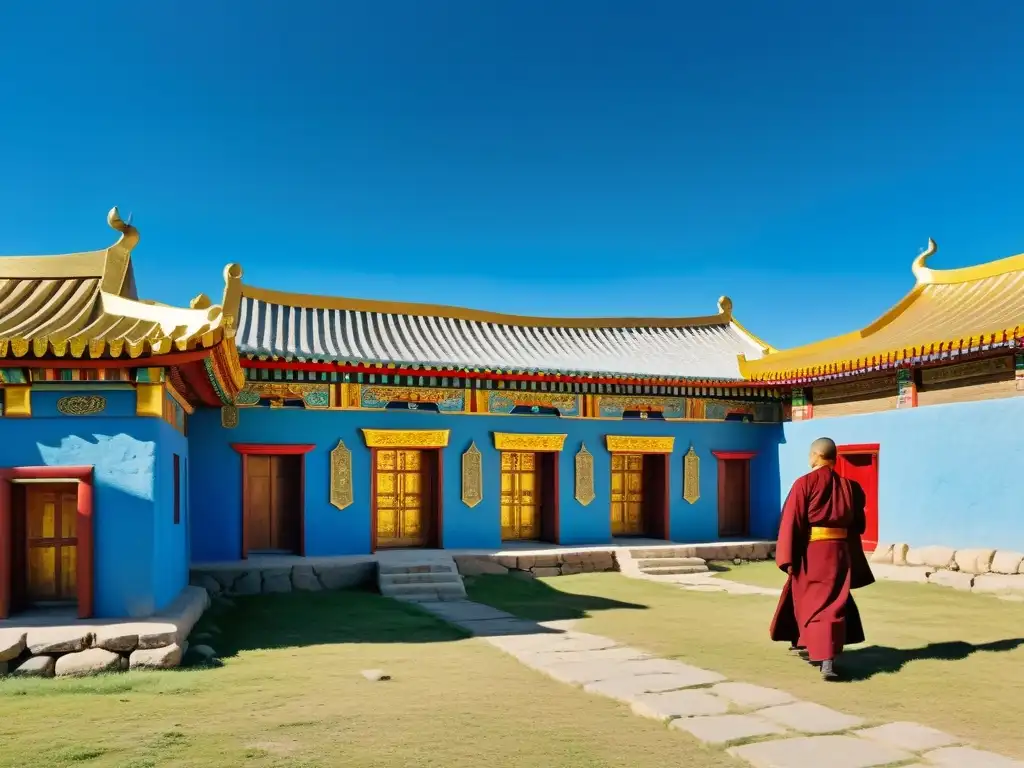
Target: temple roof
(304, 328)
(61, 305)
(947, 313)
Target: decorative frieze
(614, 406)
(472, 476)
(638, 444)
(520, 441)
(584, 476)
(81, 405)
(406, 438)
(447, 400)
(852, 390)
(969, 370)
(506, 401)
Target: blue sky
(563, 157)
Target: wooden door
(273, 503)
(520, 496)
(627, 509)
(51, 542)
(656, 496)
(861, 466)
(733, 498)
(403, 498)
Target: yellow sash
(827, 534)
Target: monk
(820, 550)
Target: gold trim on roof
(638, 444)
(310, 301)
(83, 305)
(945, 310)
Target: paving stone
(88, 662)
(466, 611)
(967, 757)
(808, 717)
(954, 579)
(819, 751)
(725, 729)
(916, 738)
(673, 704)
(583, 672)
(485, 627)
(551, 641)
(544, 658)
(752, 696)
(629, 688)
(911, 573)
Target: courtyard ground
(934, 656)
(290, 694)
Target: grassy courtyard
(290, 693)
(934, 656)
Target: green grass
(290, 694)
(762, 574)
(935, 656)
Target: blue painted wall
(170, 539)
(946, 472)
(128, 456)
(215, 475)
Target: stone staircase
(421, 581)
(667, 561)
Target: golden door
(627, 494)
(402, 499)
(520, 506)
(51, 527)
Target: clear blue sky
(558, 157)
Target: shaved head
(825, 448)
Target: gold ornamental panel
(229, 416)
(406, 438)
(585, 476)
(636, 444)
(341, 476)
(691, 476)
(518, 441)
(472, 476)
(81, 405)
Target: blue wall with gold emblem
(216, 475)
(946, 472)
(141, 558)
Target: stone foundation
(91, 647)
(243, 579)
(998, 572)
(541, 564)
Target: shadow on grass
(864, 663)
(538, 600)
(302, 619)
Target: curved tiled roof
(70, 304)
(308, 328)
(947, 313)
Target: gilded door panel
(520, 500)
(52, 542)
(402, 499)
(627, 494)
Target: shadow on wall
(865, 663)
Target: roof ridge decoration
(724, 316)
(77, 303)
(942, 322)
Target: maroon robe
(816, 610)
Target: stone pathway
(765, 727)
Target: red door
(860, 464)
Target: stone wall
(998, 572)
(84, 649)
(251, 580)
(529, 566)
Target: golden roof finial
(725, 306)
(232, 298)
(921, 272)
(129, 234)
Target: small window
(177, 489)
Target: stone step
(673, 570)
(435, 567)
(417, 578)
(654, 562)
(643, 554)
(445, 591)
